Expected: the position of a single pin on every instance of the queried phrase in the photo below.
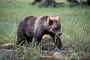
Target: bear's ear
(58, 17)
(49, 21)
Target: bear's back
(29, 20)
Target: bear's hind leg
(29, 39)
(20, 38)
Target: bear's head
(54, 25)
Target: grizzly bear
(35, 27)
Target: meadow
(75, 22)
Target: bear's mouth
(58, 34)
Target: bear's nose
(59, 34)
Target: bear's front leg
(57, 40)
(59, 43)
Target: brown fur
(35, 27)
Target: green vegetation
(75, 22)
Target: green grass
(75, 22)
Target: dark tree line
(82, 2)
(54, 3)
(35, 1)
(75, 1)
(46, 3)
(88, 1)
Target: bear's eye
(56, 29)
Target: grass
(75, 22)
(16, 52)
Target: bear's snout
(59, 34)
